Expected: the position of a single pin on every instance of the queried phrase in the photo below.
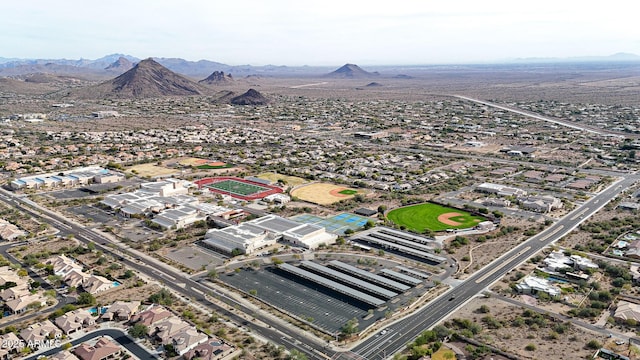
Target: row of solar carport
(359, 284)
(403, 245)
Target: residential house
(627, 311)
(164, 330)
(150, 316)
(36, 334)
(121, 310)
(541, 204)
(22, 303)
(74, 278)
(633, 249)
(63, 355)
(94, 284)
(213, 349)
(10, 232)
(187, 339)
(533, 285)
(8, 275)
(18, 291)
(11, 344)
(62, 265)
(75, 320)
(102, 350)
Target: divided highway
(379, 346)
(406, 330)
(277, 333)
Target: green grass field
(348, 192)
(425, 216)
(237, 187)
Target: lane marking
(498, 268)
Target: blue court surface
(336, 224)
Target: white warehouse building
(253, 235)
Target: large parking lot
(93, 214)
(325, 308)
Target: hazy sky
(321, 32)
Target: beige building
(75, 321)
(121, 310)
(104, 349)
(38, 333)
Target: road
(569, 124)
(376, 347)
(277, 332)
(406, 330)
(118, 335)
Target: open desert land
(514, 330)
(291, 181)
(152, 170)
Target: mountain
(196, 69)
(251, 97)
(121, 65)
(217, 78)
(147, 79)
(373, 84)
(350, 71)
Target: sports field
(433, 217)
(324, 193)
(237, 187)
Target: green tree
(369, 224)
(162, 297)
(86, 299)
(350, 327)
(212, 274)
(138, 331)
(594, 345)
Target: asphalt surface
(380, 346)
(117, 335)
(405, 331)
(276, 332)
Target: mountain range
(97, 69)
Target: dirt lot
(548, 338)
(151, 170)
(128, 294)
(474, 255)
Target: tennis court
(337, 224)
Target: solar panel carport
(380, 280)
(358, 295)
(401, 277)
(363, 285)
